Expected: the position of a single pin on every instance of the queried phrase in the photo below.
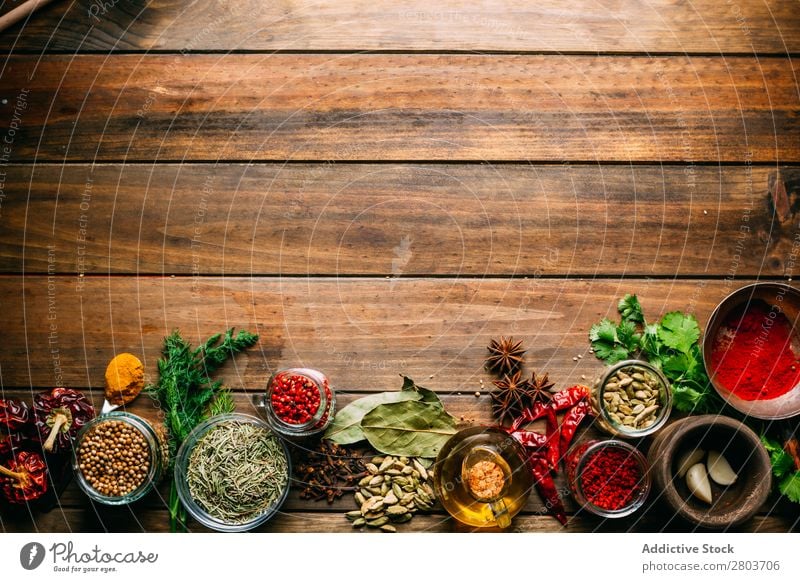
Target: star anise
(540, 388)
(505, 355)
(512, 396)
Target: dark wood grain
(396, 220)
(91, 519)
(362, 332)
(406, 107)
(509, 25)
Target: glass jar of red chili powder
(299, 402)
(609, 478)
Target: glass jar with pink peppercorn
(299, 402)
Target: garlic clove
(697, 480)
(720, 470)
(688, 459)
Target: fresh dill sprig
(187, 394)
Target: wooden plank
(404, 107)
(510, 25)
(405, 219)
(362, 332)
(91, 519)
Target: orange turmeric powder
(124, 379)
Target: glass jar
(609, 396)
(609, 478)
(182, 467)
(155, 447)
(299, 402)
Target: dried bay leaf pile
(408, 423)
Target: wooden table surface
(379, 188)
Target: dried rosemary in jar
(237, 471)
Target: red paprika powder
(611, 477)
(752, 355)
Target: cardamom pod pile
(394, 490)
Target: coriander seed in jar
(119, 457)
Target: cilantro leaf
(790, 486)
(630, 309)
(651, 345)
(679, 331)
(688, 399)
(605, 331)
(627, 336)
(606, 343)
(610, 354)
(782, 462)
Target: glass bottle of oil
(481, 478)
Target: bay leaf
(427, 395)
(346, 426)
(411, 428)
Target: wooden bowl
(781, 298)
(740, 446)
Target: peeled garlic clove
(719, 469)
(688, 459)
(697, 480)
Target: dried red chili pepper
(10, 441)
(573, 419)
(553, 437)
(546, 486)
(14, 414)
(569, 397)
(25, 478)
(60, 413)
(529, 439)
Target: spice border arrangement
(379, 449)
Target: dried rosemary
(237, 471)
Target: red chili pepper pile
(545, 450)
(56, 417)
(296, 399)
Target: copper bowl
(778, 296)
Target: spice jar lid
(155, 451)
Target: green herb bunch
(671, 345)
(187, 394)
(784, 468)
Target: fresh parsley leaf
(679, 331)
(628, 336)
(790, 487)
(782, 462)
(688, 399)
(605, 331)
(630, 309)
(606, 344)
(651, 345)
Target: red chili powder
(752, 355)
(611, 478)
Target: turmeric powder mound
(124, 379)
